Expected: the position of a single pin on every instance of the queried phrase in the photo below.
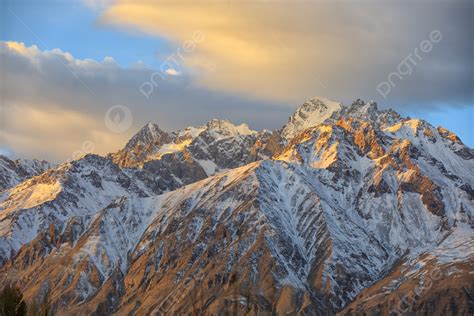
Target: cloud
(55, 133)
(97, 4)
(172, 72)
(245, 61)
(53, 103)
(289, 50)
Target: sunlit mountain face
(156, 158)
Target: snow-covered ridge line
(13, 172)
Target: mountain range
(347, 210)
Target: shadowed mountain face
(345, 209)
(12, 172)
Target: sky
(85, 75)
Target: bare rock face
(363, 212)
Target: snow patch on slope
(33, 196)
(221, 129)
(458, 246)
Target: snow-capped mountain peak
(146, 142)
(151, 133)
(224, 128)
(363, 110)
(215, 146)
(312, 112)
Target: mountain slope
(78, 190)
(12, 172)
(438, 282)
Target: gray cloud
(289, 50)
(52, 102)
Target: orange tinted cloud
(290, 50)
(55, 133)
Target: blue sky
(266, 60)
(74, 28)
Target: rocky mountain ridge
(12, 172)
(216, 146)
